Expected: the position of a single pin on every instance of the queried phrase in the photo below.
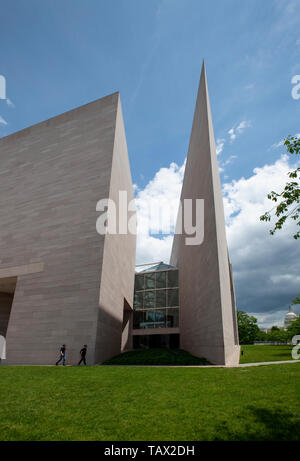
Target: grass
(125, 403)
(156, 357)
(252, 354)
(265, 353)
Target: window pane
(160, 279)
(139, 282)
(149, 319)
(149, 299)
(138, 300)
(138, 319)
(173, 297)
(173, 318)
(161, 298)
(160, 318)
(172, 278)
(150, 281)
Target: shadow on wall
(262, 425)
(113, 333)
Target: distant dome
(289, 318)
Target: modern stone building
(191, 302)
(208, 324)
(62, 282)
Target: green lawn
(265, 353)
(156, 357)
(138, 403)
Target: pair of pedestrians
(62, 356)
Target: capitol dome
(289, 317)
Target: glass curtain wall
(156, 300)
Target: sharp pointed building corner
(208, 325)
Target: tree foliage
(296, 301)
(279, 335)
(287, 201)
(248, 328)
(249, 332)
(294, 328)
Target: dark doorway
(156, 341)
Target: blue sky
(57, 55)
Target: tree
(277, 335)
(289, 198)
(296, 301)
(261, 336)
(248, 329)
(294, 328)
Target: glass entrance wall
(156, 299)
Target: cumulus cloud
(239, 129)
(157, 206)
(266, 268)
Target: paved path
(256, 364)
(241, 365)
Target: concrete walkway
(241, 365)
(256, 364)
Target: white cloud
(230, 159)
(225, 163)
(220, 145)
(161, 193)
(239, 129)
(277, 144)
(266, 268)
(232, 134)
(269, 319)
(10, 103)
(2, 121)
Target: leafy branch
(289, 199)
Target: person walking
(83, 355)
(62, 355)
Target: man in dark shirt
(83, 354)
(62, 355)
